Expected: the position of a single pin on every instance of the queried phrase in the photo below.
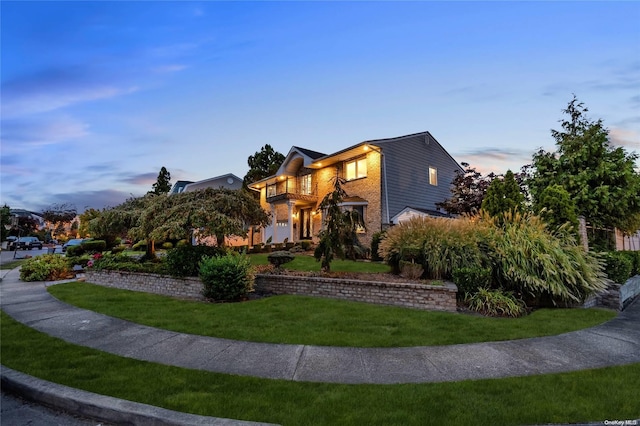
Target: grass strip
(608, 393)
(302, 262)
(12, 264)
(320, 321)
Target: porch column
(290, 213)
(274, 224)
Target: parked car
(72, 242)
(25, 243)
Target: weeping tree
(212, 212)
(216, 212)
(339, 237)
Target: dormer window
(356, 169)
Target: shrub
(439, 244)
(140, 246)
(634, 258)
(94, 246)
(226, 278)
(279, 258)
(122, 262)
(183, 243)
(81, 260)
(183, 261)
(118, 249)
(75, 251)
(375, 244)
(306, 244)
(410, 270)
(167, 245)
(48, 267)
(469, 280)
(495, 303)
(529, 260)
(618, 266)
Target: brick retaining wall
(188, 288)
(429, 297)
(420, 296)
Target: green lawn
(319, 321)
(309, 263)
(609, 393)
(12, 264)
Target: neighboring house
(179, 186)
(228, 181)
(383, 177)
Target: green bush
(440, 245)
(279, 258)
(47, 267)
(75, 251)
(469, 280)
(167, 245)
(94, 246)
(183, 243)
(122, 262)
(531, 261)
(81, 260)
(618, 266)
(495, 303)
(140, 246)
(306, 244)
(184, 260)
(226, 278)
(375, 244)
(634, 258)
(118, 249)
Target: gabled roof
(228, 180)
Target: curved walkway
(616, 342)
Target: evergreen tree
(600, 179)
(503, 195)
(262, 164)
(339, 237)
(163, 183)
(557, 210)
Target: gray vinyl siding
(407, 162)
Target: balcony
(292, 189)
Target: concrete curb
(101, 407)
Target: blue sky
(98, 96)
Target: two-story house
(386, 179)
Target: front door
(305, 224)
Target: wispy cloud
(141, 179)
(25, 133)
(83, 200)
(625, 138)
(54, 89)
(163, 69)
(497, 160)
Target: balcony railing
(292, 189)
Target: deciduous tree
(468, 189)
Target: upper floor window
(356, 169)
(433, 176)
(305, 185)
(271, 190)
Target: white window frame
(433, 176)
(360, 168)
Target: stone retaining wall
(430, 297)
(188, 288)
(420, 296)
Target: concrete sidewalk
(614, 343)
